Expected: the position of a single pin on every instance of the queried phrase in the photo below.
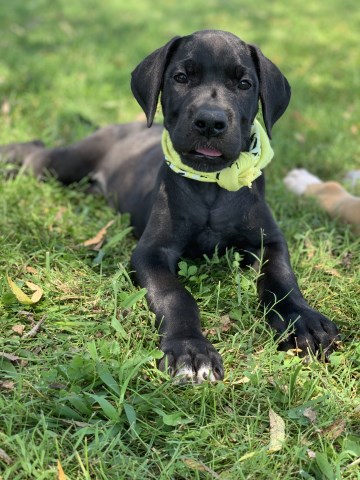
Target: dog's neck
(241, 173)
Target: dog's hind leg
(71, 163)
(15, 154)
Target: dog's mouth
(207, 152)
(205, 159)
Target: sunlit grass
(85, 390)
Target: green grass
(85, 390)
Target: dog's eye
(244, 85)
(181, 78)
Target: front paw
(191, 359)
(305, 330)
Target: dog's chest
(219, 225)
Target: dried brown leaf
(333, 431)
(19, 329)
(224, 326)
(200, 467)
(10, 357)
(330, 271)
(13, 359)
(7, 385)
(226, 323)
(310, 414)
(96, 241)
(31, 270)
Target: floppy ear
(147, 79)
(275, 90)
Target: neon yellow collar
(239, 174)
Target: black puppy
(211, 84)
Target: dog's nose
(210, 122)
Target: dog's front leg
(187, 353)
(286, 307)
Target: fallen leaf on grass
(38, 291)
(226, 323)
(7, 385)
(31, 270)
(330, 271)
(13, 359)
(23, 297)
(10, 357)
(310, 414)
(98, 239)
(5, 457)
(224, 326)
(19, 329)
(200, 467)
(277, 432)
(61, 473)
(333, 431)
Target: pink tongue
(209, 152)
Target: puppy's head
(211, 83)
